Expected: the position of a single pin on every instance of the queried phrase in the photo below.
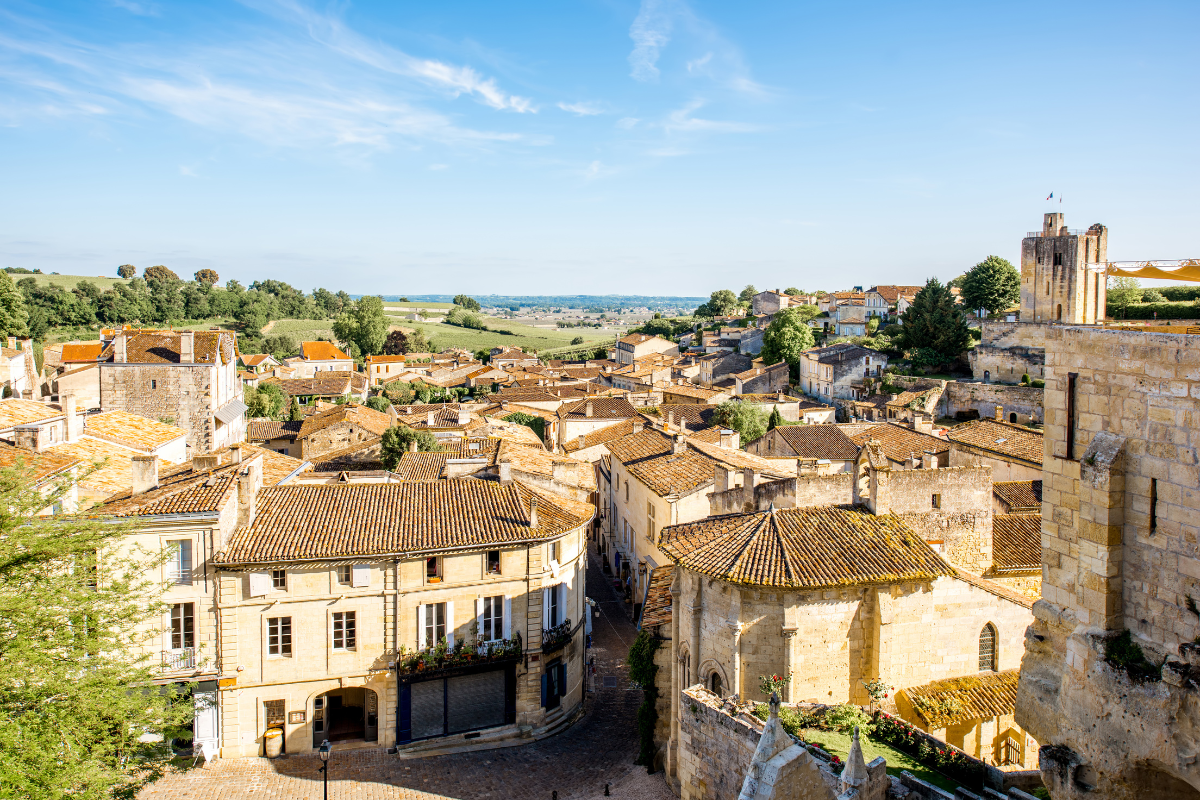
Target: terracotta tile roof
(353, 457)
(386, 359)
(325, 384)
(601, 435)
(698, 416)
(804, 548)
(892, 293)
(368, 418)
(698, 392)
(754, 372)
(900, 442)
(496, 428)
(971, 697)
(255, 359)
(1019, 495)
(421, 466)
(131, 430)
(88, 351)
(602, 407)
(15, 411)
(539, 461)
(525, 394)
(446, 417)
(1017, 542)
(657, 608)
(262, 430)
(1014, 442)
(649, 443)
(835, 353)
(321, 351)
(508, 408)
(355, 520)
(818, 441)
(39, 466)
(276, 466)
(635, 338)
(740, 459)
(111, 469)
(162, 347)
(674, 474)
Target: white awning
(231, 411)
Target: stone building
(1014, 452)
(1108, 682)
(348, 613)
(1063, 273)
(320, 357)
(762, 379)
(639, 345)
(322, 433)
(819, 443)
(585, 416)
(326, 385)
(183, 378)
(839, 370)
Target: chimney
(726, 438)
(235, 454)
(670, 419)
(683, 426)
(533, 515)
(464, 416)
(187, 347)
(505, 472)
(582, 439)
(145, 473)
(999, 413)
(638, 425)
(587, 408)
(678, 445)
(119, 349)
(429, 418)
(930, 461)
(249, 482)
(922, 423)
(560, 471)
(412, 446)
(206, 462)
(29, 437)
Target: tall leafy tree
(208, 277)
(1122, 293)
(786, 338)
(396, 440)
(159, 273)
(14, 318)
(720, 303)
(127, 271)
(748, 420)
(993, 284)
(80, 716)
(747, 295)
(467, 302)
(934, 322)
(396, 344)
(365, 327)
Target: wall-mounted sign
(295, 717)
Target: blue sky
(661, 147)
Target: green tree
(295, 412)
(748, 419)
(396, 440)
(80, 714)
(775, 420)
(469, 303)
(366, 326)
(1122, 293)
(721, 303)
(281, 346)
(786, 338)
(1153, 296)
(577, 340)
(14, 319)
(208, 277)
(265, 401)
(792, 291)
(935, 322)
(159, 273)
(535, 424)
(378, 403)
(993, 284)
(396, 344)
(747, 295)
(127, 271)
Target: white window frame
(184, 618)
(179, 567)
(343, 574)
(427, 638)
(279, 628)
(339, 627)
(496, 609)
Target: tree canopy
(80, 715)
(396, 344)
(792, 291)
(127, 271)
(378, 403)
(934, 322)
(266, 400)
(747, 295)
(721, 303)
(160, 273)
(366, 326)
(993, 284)
(786, 338)
(467, 302)
(1122, 293)
(396, 440)
(747, 419)
(207, 277)
(14, 318)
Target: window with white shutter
(361, 574)
(490, 618)
(260, 584)
(179, 567)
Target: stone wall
(1009, 350)
(178, 395)
(950, 508)
(338, 436)
(715, 747)
(983, 398)
(1119, 540)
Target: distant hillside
(68, 281)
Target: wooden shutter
(260, 584)
(450, 623)
(507, 617)
(479, 619)
(421, 627)
(546, 608)
(360, 575)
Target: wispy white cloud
(187, 171)
(681, 119)
(627, 123)
(596, 170)
(650, 32)
(584, 109)
(697, 64)
(141, 9)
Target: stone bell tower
(1062, 274)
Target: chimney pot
(582, 439)
(637, 426)
(206, 462)
(726, 438)
(145, 473)
(72, 424)
(429, 418)
(235, 454)
(587, 408)
(533, 512)
(187, 347)
(120, 352)
(930, 461)
(678, 445)
(999, 413)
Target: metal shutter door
(476, 701)
(428, 706)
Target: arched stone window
(1058, 315)
(714, 684)
(987, 648)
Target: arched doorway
(714, 684)
(346, 715)
(1013, 418)
(1058, 313)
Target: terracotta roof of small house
(348, 520)
(970, 697)
(131, 430)
(648, 443)
(602, 408)
(674, 473)
(368, 418)
(698, 415)
(1017, 542)
(657, 609)
(110, 466)
(818, 441)
(893, 293)
(253, 360)
(324, 384)
(635, 338)
(15, 411)
(162, 347)
(804, 548)
(421, 466)
(1015, 442)
(687, 390)
(262, 430)
(87, 351)
(39, 466)
(539, 461)
(321, 351)
(900, 442)
(1019, 495)
(526, 395)
(601, 435)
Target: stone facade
(1009, 350)
(1119, 555)
(1063, 273)
(1018, 404)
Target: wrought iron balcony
(179, 660)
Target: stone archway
(346, 715)
(709, 669)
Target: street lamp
(324, 753)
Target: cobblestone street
(598, 749)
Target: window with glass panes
(492, 619)
(183, 626)
(435, 623)
(279, 636)
(278, 579)
(987, 649)
(179, 566)
(343, 630)
(343, 574)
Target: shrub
(642, 671)
(1122, 653)
(846, 717)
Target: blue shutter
(404, 717)
(545, 681)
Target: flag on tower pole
(1051, 197)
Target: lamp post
(324, 753)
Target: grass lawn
(69, 281)
(302, 330)
(395, 304)
(444, 336)
(839, 744)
